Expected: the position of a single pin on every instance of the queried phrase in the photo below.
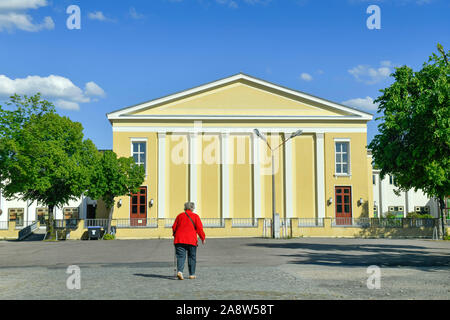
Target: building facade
(386, 201)
(199, 145)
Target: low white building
(386, 201)
(27, 212)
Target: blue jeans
(181, 250)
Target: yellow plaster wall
(304, 189)
(209, 177)
(358, 179)
(122, 147)
(177, 174)
(240, 99)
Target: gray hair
(189, 206)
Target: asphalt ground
(227, 269)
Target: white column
(225, 175)
(320, 175)
(289, 184)
(193, 168)
(161, 174)
(256, 176)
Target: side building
(386, 201)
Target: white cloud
(98, 15)
(370, 75)
(134, 14)
(67, 105)
(11, 20)
(13, 16)
(230, 3)
(13, 5)
(59, 89)
(362, 103)
(306, 76)
(92, 89)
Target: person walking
(185, 229)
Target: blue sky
(127, 52)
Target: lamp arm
(282, 144)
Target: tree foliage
(414, 140)
(114, 177)
(12, 120)
(44, 156)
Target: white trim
(120, 113)
(233, 117)
(192, 129)
(225, 175)
(256, 176)
(349, 162)
(320, 175)
(161, 174)
(289, 186)
(132, 140)
(193, 168)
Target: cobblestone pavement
(228, 269)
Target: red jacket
(184, 231)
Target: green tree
(414, 140)
(114, 177)
(50, 162)
(12, 119)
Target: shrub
(109, 237)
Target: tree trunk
(50, 223)
(110, 219)
(442, 209)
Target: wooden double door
(343, 196)
(138, 208)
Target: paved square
(319, 268)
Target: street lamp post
(260, 135)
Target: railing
(137, 223)
(96, 223)
(65, 224)
(285, 228)
(387, 222)
(267, 228)
(310, 222)
(350, 222)
(418, 223)
(244, 223)
(4, 225)
(213, 223)
(168, 223)
(25, 232)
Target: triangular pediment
(239, 96)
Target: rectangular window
(139, 153)
(374, 179)
(392, 180)
(342, 157)
(17, 216)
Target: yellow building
(199, 145)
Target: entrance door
(90, 212)
(343, 205)
(138, 208)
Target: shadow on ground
(158, 276)
(361, 255)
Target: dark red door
(138, 208)
(343, 205)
